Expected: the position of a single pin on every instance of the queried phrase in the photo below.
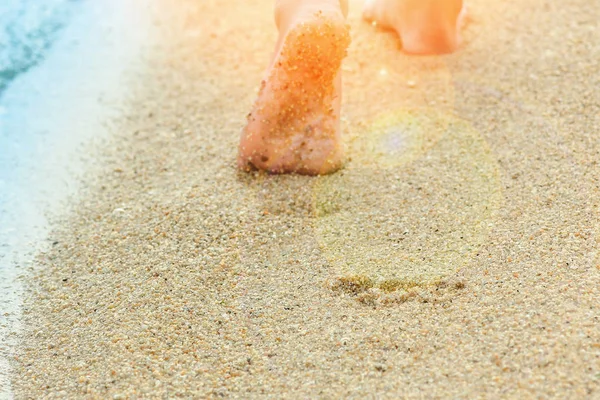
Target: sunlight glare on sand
(396, 219)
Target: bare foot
(424, 26)
(294, 125)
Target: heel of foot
(294, 125)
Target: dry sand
(454, 257)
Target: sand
(455, 256)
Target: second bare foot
(424, 26)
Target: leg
(294, 125)
(424, 26)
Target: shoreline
(61, 108)
(175, 274)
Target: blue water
(27, 30)
(61, 70)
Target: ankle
(433, 41)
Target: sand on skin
(179, 275)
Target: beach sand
(455, 256)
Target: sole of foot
(294, 125)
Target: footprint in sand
(414, 204)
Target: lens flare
(397, 219)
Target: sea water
(28, 28)
(63, 73)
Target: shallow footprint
(418, 212)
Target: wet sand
(455, 256)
